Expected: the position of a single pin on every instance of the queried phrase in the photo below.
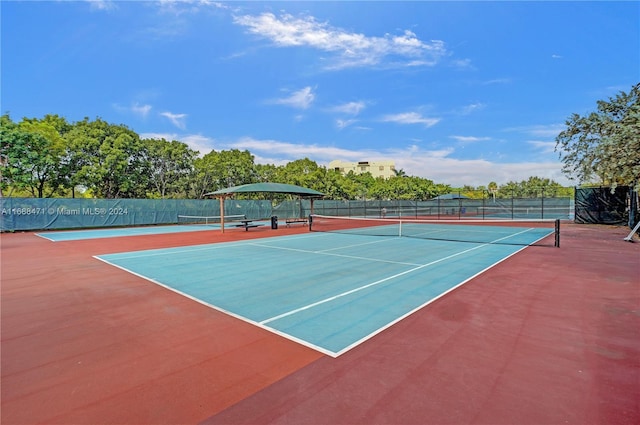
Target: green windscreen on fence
(603, 205)
(69, 213)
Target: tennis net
(507, 232)
(206, 220)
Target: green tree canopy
(31, 153)
(170, 165)
(219, 170)
(604, 144)
(49, 156)
(108, 159)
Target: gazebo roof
(270, 188)
(451, 196)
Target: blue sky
(457, 92)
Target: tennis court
(197, 225)
(76, 235)
(329, 291)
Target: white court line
(422, 266)
(254, 242)
(222, 310)
(193, 248)
(325, 252)
(353, 245)
(291, 337)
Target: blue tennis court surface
(73, 235)
(328, 291)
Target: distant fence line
(17, 214)
(511, 208)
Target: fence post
(484, 205)
(512, 201)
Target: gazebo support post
(222, 198)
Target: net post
(310, 221)
(557, 242)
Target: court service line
(324, 252)
(343, 294)
(329, 249)
(352, 245)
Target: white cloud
(176, 119)
(468, 109)
(103, 5)
(344, 123)
(292, 151)
(410, 118)
(135, 109)
(180, 7)
(544, 147)
(141, 110)
(300, 99)
(173, 18)
(497, 81)
(462, 63)
(442, 167)
(350, 49)
(198, 143)
(470, 139)
(438, 165)
(165, 136)
(350, 108)
(551, 130)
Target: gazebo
(450, 196)
(291, 189)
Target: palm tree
(493, 188)
(400, 173)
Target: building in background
(383, 169)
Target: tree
(31, 153)
(533, 187)
(493, 189)
(399, 173)
(403, 187)
(49, 171)
(360, 184)
(235, 168)
(606, 143)
(170, 165)
(266, 173)
(301, 172)
(108, 159)
(202, 178)
(336, 186)
(13, 154)
(219, 170)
